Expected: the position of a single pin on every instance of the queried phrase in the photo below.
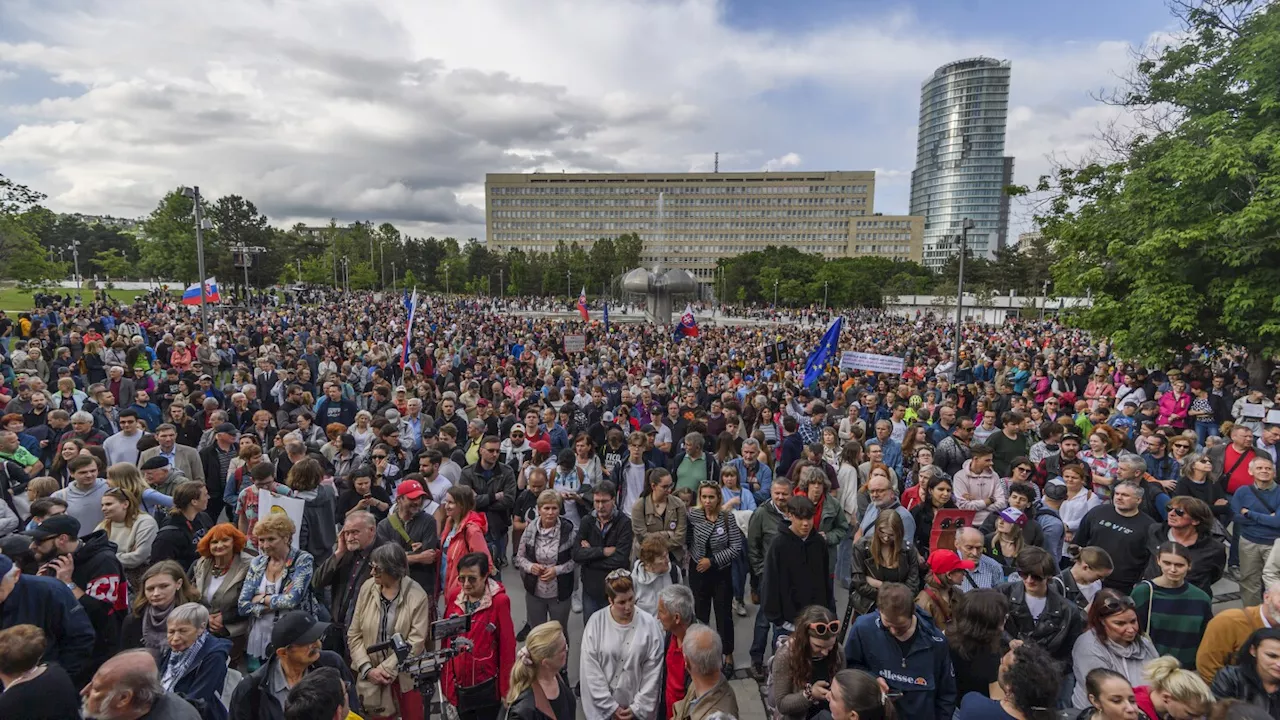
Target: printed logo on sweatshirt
(1118, 528)
(892, 676)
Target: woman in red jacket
(476, 681)
(463, 533)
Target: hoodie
(796, 576)
(469, 538)
(920, 668)
(648, 585)
(99, 574)
(50, 606)
(84, 505)
(981, 487)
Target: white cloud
(394, 110)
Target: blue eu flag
(821, 355)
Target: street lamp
(965, 226)
(201, 225)
(75, 257)
(825, 283)
(775, 293)
(568, 283)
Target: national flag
(582, 305)
(827, 348)
(191, 296)
(405, 299)
(688, 326)
(606, 318)
(408, 329)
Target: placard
(575, 343)
(269, 502)
(1273, 417)
(1252, 411)
(945, 525)
(851, 360)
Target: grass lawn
(13, 299)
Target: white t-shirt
(1036, 605)
(438, 487)
(633, 475)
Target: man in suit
(120, 387)
(185, 459)
(265, 378)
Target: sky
(394, 110)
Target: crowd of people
(235, 522)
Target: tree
(1178, 235)
(169, 248)
(111, 263)
(22, 258)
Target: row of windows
(900, 237)
(669, 214)
(710, 189)
(882, 224)
(688, 202)
(904, 250)
(681, 227)
(553, 238)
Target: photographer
(390, 603)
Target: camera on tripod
(425, 667)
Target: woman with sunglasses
(389, 603)
(1172, 612)
(806, 663)
(1180, 447)
(1254, 678)
(1189, 524)
(1111, 640)
(1196, 480)
(714, 540)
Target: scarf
(155, 629)
(180, 662)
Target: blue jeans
(739, 569)
(844, 562)
(590, 606)
(761, 635)
(1205, 429)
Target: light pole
(965, 226)
(75, 257)
(194, 193)
(346, 274)
(775, 293)
(825, 283)
(1044, 299)
(446, 279)
(382, 265)
(501, 280)
(568, 282)
(393, 276)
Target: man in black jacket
(1059, 622)
(495, 486)
(295, 652)
(604, 545)
(90, 570)
(216, 461)
(796, 572)
(343, 572)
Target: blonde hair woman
(128, 478)
(131, 531)
(1172, 692)
(279, 580)
(537, 689)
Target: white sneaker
(576, 601)
(739, 608)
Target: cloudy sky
(393, 110)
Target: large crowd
(244, 521)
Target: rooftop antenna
(717, 162)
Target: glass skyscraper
(961, 170)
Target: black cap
(298, 627)
(226, 427)
(429, 431)
(648, 428)
(155, 463)
(1055, 491)
(54, 526)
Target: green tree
(169, 248)
(111, 263)
(1178, 237)
(22, 258)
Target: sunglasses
(1034, 578)
(468, 579)
(824, 629)
(1118, 604)
(1182, 446)
(616, 574)
(1178, 511)
(379, 457)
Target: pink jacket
(1170, 405)
(979, 487)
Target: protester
(881, 558)
(1172, 691)
(414, 529)
(32, 689)
(1110, 696)
(622, 655)
(709, 690)
(193, 663)
(295, 653)
(129, 685)
(675, 615)
(464, 532)
(1027, 680)
(164, 587)
(389, 603)
(544, 558)
(604, 545)
(766, 523)
(1171, 611)
(278, 580)
(1112, 641)
(218, 577)
(131, 531)
(1120, 528)
(537, 690)
(714, 543)
(1254, 507)
(1254, 673)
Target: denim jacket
(295, 592)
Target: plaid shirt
(987, 574)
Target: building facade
(961, 169)
(686, 220)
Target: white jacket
(647, 586)
(621, 665)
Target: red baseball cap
(541, 446)
(413, 489)
(942, 562)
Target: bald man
(988, 573)
(127, 687)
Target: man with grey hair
(709, 689)
(1254, 507)
(754, 475)
(694, 465)
(1121, 529)
(127, 687)
(82, 428)
(1133, 468)
(120, 387)
(987, 571)
(675, 614)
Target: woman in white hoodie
(651, 573)
(622, 653)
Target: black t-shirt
(50, 696)
(1124, 539)
(975, 674)
(526, 505)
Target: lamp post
(393, 276)
(775, 293)
(568, 282)
(75, 257)
(965, 226)
(194, 193)
(825, 283)
(1044, 299)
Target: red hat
(410, 489)
(942, 562)
(541, 446)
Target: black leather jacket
(1242, 682)
(1057, 628)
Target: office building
(690, 220)
(961, 169)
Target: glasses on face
(1117, 604)
(1022, 469)
(1178, 511)
(665, 486)
(1034, 578)
(517, 435)
(468, 579)
(379, 457)
(824, 629)
(1181, 446)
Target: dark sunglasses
(1184, 446)
(1178, 511)
(1118, 604)
(824, 629)
(379, 457)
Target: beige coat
(671, 524)
(413, 623)
(227, 598)
(721, 698)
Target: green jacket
(834, 525)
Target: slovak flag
(582, 305)
(688, 326)
(191, 296)
(412, 306)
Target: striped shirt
(724, 538)
(1178, 618)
